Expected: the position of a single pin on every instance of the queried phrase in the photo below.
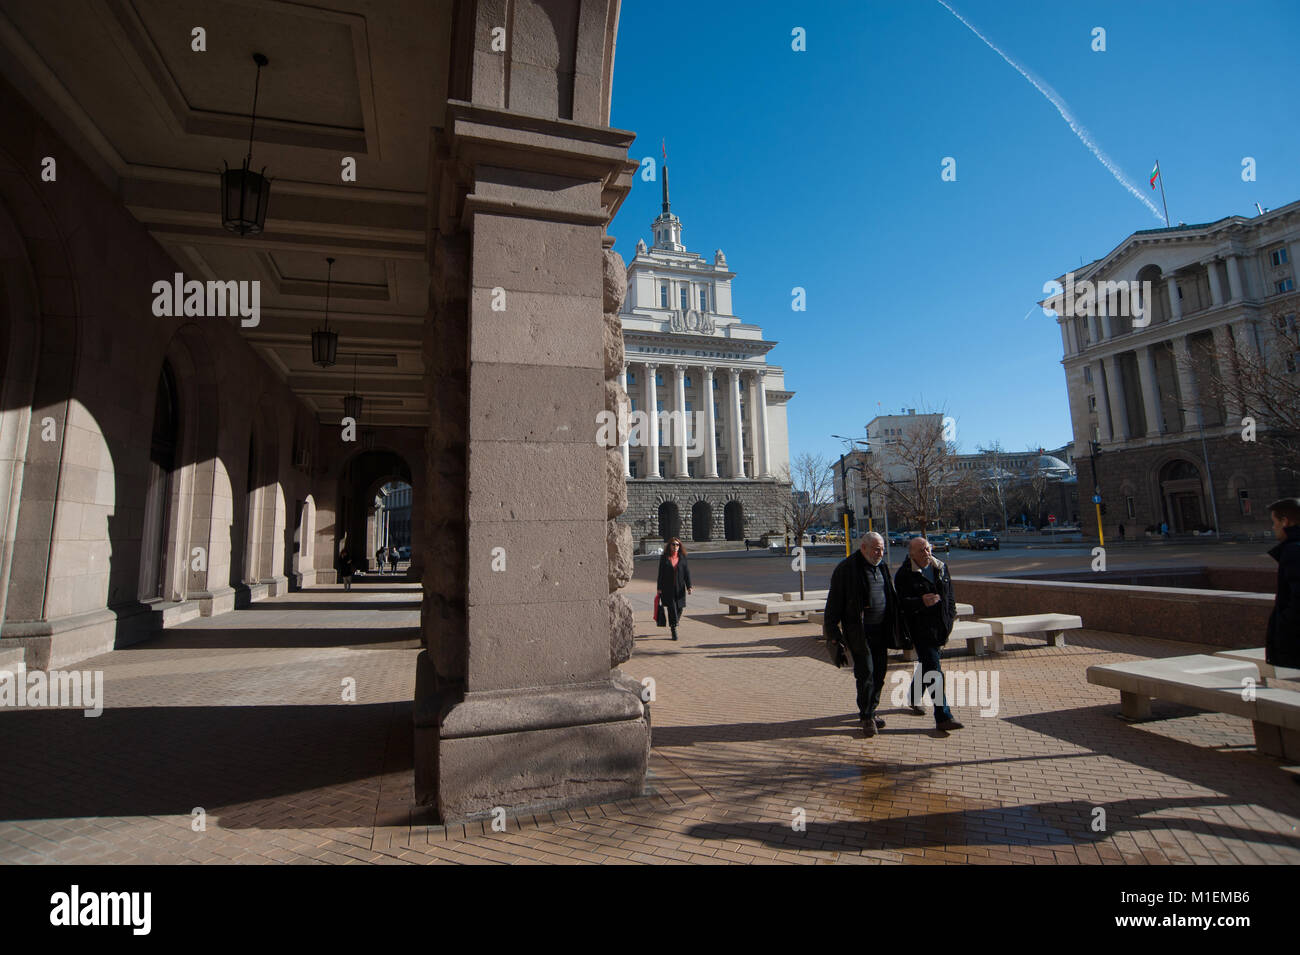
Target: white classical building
(688, 358)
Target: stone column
(735, 439)
(518, 704)
(1223, 347)
(1115, 393)
(651, 422)
(710, 431)
(1150, 390)
(1103, 402)
(680, 422)
(764, 441)
(1188, 395)
(1103, 314)
(1216, 286)
(1175, 303)
(1094, 331)
(1235, 287)
(623, 438)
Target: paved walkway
(243, 716)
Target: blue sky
(821, 169)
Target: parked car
(984, 540)
(897, 538)
(403, 553)
(940, 543)
(962, 539)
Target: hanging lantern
(352, 402)
(244, 193)
(325, 343)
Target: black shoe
(949, 724)
(869, 728)
(880, 722)
(674, 634)
(917, 710)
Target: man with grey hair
(862, 614)
(925, 596)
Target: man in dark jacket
(1282, 645)
(925, 596)
(862, 613)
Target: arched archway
(701, 521)
(733, 521)
(1182, 496)
(670, 520)
(360, 479)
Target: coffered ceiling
(157, 120)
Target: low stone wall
(1218, 618)
(1236, 579)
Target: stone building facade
(707, 455)
(157, 467)
(1151, 388)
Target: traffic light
(853, 520)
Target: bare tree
(811, 488)
(923, 453)
(1037, 481)
(1262, 381)
(996, 481)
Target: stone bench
(1266, 670)
(1051, 626)
(974, 632)
(808, 595)
(1209, 683)
(750, 603)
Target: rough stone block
(614, 284)
(538, 644)
(561, 404)
(613, 344)
(523, 562)
(622, 630)
(615, 484)
(534, 481)
(618, 542)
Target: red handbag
(660, 617)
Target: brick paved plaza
(243, 716)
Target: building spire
(667, 205)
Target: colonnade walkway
(757, 757)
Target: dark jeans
(928, 655)
(870, 658)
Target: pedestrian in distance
(345, 568)
(392, 558)
(926, 598)
(863, 614)
(1121, 532)
(380, 554)
(674, 582)
(1282, 642)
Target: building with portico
(708, 455)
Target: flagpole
(1161, 176)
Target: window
(659, 379)
(688, 382)
(1243, 501)
(1087, 374)
(690, 468)
(631, 377)
(631, 466)
(1278, 256)
(633, 403)
(1285, 285)
(1129, 507)
(1092, 402)
(661, 469)
(704, 299)
(659, 406)
(688, 407)
(663, 294)
(685, 297)
(715, 381)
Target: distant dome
(1048, 463)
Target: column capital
(709, 369)
(651, 365)
(679, 371)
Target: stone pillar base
(527, 750)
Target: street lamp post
(1205, 456)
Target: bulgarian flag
(1155, 174)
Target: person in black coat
(1282, 643)
(867, 627)
(345, 568)
(674, 582)
(925, 595)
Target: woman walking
(674, 582)
(345, 568)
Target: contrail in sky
(1063, 108)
